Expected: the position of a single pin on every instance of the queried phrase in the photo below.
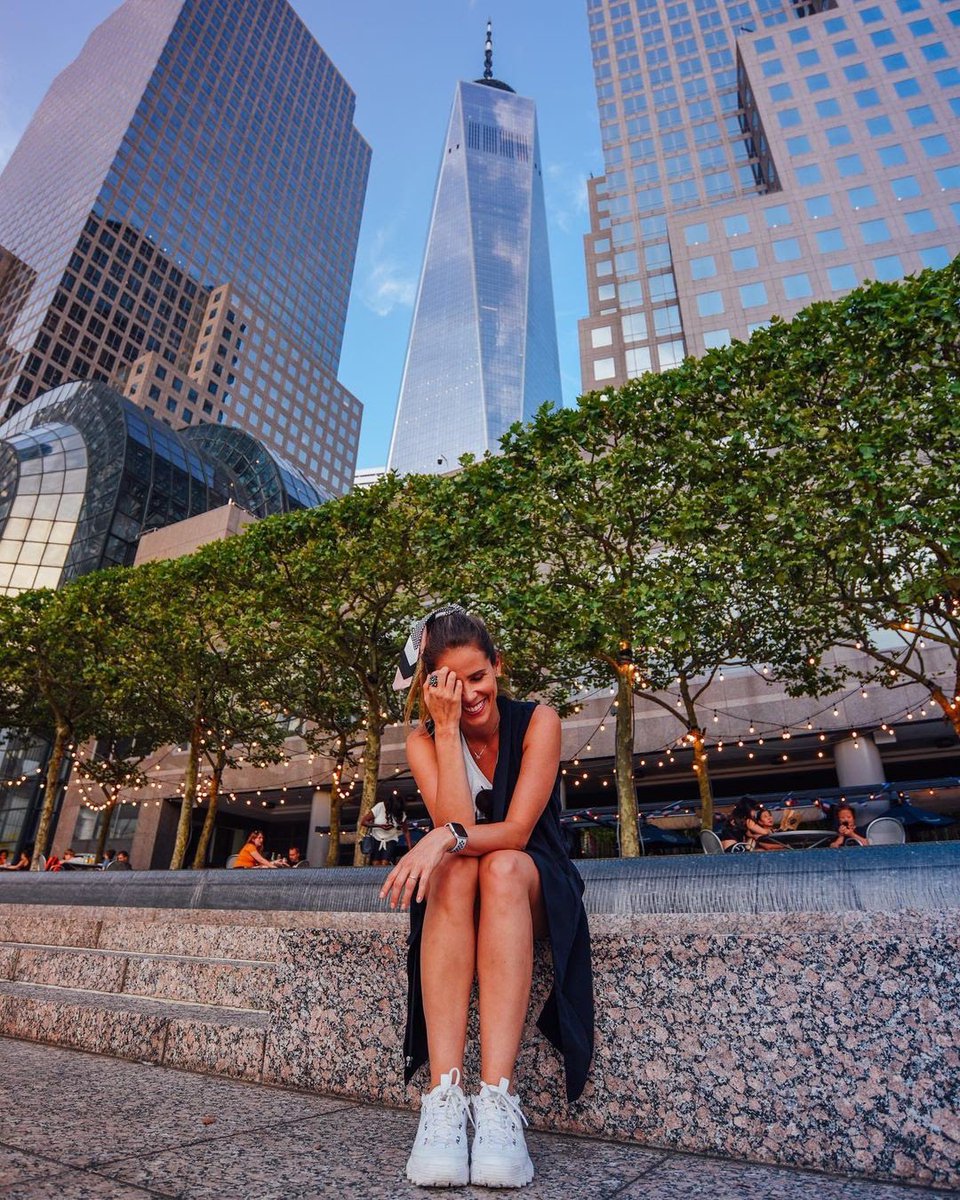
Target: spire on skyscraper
(488, 78)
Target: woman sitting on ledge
(490, 876)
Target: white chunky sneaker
(440, 1157)
(499, 1157)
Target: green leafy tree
(61, 673)
(203, 673)
(341, 583)
(851, 412)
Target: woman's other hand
(443, 699)
(411, 876)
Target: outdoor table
(801, 839)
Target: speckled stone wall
(817, 1040)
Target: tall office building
(180, 219)
(483, 344)
(760, 155)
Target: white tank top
(476, 780)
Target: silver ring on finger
(434, 679)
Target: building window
(888, 269)
(935, 256)
(786, 249)
(948, 177)
(662, 287)
(922, 115)
(778, 215)
(709, 304)
(667, 320)
(936, 146)
(631, 292)
(905, 187)
(745, 258)
(868, 98)
(920, 221)
(716, 339)
(905, 88)
(818, 206)
(634, 327)
(842, 278)
(788, 117)
(703, 268)
(808, 175)
(604, 267)
(693, 235)
(861, 197)
(753, 295)
(797, 287)
(817, 83)
(607, 291)
(601, 337)
(850, 164)
(638, 361)
(839, 136)
(892, 156)
(799, 145)
(736, 225)
(671, 354)
(874, 231)
(829, 240)
(604, 368)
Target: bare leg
(448, 956)
(511, 911)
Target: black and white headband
(410, 654)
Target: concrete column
(318, 838)
(858, 762)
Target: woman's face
(478, 675)
(257, 840)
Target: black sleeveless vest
(567, 1016)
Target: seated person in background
(120, 863)
(763, 824)
(735, 827)
(252, 853)
(108, 858)
(68, 854)
(294, 859)
(4, 860)
(847, 829)
(22, 862)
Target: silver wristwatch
(460, 834)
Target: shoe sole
(498, 1175)
(429, 1173)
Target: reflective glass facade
(759, 155)
(199, 157)
(483, 344)
(84, 472)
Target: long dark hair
(449, 632)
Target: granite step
(235, 983)
(217, 1040)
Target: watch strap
(460, 834)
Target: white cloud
(388, 284)
(566, 197)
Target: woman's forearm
(453, 802)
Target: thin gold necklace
(478, 754)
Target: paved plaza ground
(76, 1126)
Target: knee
(506, 873)
(454, 883)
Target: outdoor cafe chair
(885, 831)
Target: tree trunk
(107, 822)
(200, 858)
(951, 710)
(702, 768)
(189, 795)
(336, 783)
(45, 828)
(626, 791)
(371, 774)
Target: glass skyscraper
(180, 219)
(760, 155)
(483, 344)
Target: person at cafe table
(847, 829)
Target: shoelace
(502, 1115)
(445, 1110)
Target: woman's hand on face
(411, 876)
(443, 701)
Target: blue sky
(403, 61)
